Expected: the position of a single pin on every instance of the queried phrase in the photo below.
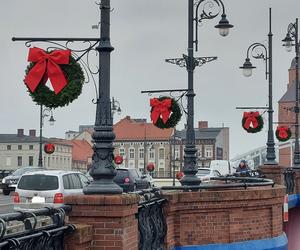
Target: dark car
(10, 182)
(131, 179)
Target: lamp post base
(271, 162)
(103, 186)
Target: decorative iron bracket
(185, 61)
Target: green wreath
(174, 117)
(75, 79)
(283, 139)
(251, 129)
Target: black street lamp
(290, 40)
(203, 10)
(103, 169)
(43, 113)
(260, 51)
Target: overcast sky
(144, 33)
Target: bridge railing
(289, 180)
(151, 222)
(34, 229)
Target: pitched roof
(289, 95)
(60, 141)
(82, 150)
(138, 129)
(13, 138)
(201, 133)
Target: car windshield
(202, 172)
(38, 182)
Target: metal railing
(289, 180)
(226, 182)
(35, 235)
(151, 222)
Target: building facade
(140, 143)
(19, 150)
(211, 143)
(286, 116)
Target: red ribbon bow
(251, 117)
(283, 132)
(47, 65)
(160, 109)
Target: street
(6, 204)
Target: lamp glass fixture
(51, 120)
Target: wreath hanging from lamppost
(252, 122)
(283, 133)
(165, 112)
(63, 71)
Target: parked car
(49, 186)
(9, 182)
(206, 173)
(131, 179)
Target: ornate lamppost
(102, 170)
(197, 12)
(44, 112)
(260, 51)
(291, 40)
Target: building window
(131, 153)
(141, 153)
(176, 153)
(122, 152)
(30, 147)
(19, 161)
(19, 147)
(30, 161)
(208, 151)
(8, 147)
(161, 153)
(8, 161)
(151, 153)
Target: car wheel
(5, 192)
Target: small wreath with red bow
(64, 72)
(252, 122)
(283, 133)
(165, 112)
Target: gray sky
(144, 33)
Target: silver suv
(9, 182)
(50, 186)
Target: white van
(223, 166)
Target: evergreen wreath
(283, 133)
(255, 116)
(75, 79)
(175, 115)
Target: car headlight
(3, 180)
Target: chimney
(20, 132)
(32, 132)
(203, 124)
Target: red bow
(160, 109)
(283, 132)
(251, 117)
(47, 65)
